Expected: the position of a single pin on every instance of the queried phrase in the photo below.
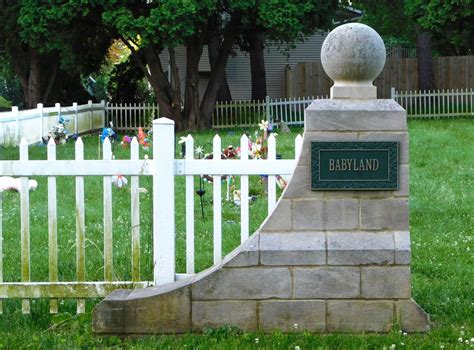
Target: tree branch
(136, 58)
(174, 69)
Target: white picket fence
(436, 104)
(249, 113)
(34, 124)
(131, 116)
(163, 168)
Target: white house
(238, 66)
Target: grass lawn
(442, 228)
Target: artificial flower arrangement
(258, 149)
(143, 139)
(108, 133)
(59, 132)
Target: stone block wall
(324, 261)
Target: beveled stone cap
(353, 55)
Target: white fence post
(1, 246)
(163, 201)
(25, 226)
(17, 124)
(80, 227)
(52, 226)
(392, 93)
(76, 127)
(217, 201)
(102, 103)
(57, 106)
(89, 103)
(189, 209)
(39, 107)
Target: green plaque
(354, 166)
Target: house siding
(238, 67)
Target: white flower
(460, 340)
(462, 332)
(297, 347)
(119, 181)
(257, 340)
(295, 326)
(182, 139)
(393, 346)
(199, 151)
(441, 346)
(263, 125)
(405, 334)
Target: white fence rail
(34, 124)
(163, 168)
(436, 104)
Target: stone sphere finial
(353, 55)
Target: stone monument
(334, 256)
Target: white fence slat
(135, 214)
(80, 227)
(25, 226)
(52, 227)
(217, 201)
(76, 121)
(108, 237)
(91, 114)
(15, 114)
(39, 108)
(189, 209)
(1, 246)
(244, 191)
(163, 202)
(271, 178)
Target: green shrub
(4, 103)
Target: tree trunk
(51, 82)
(213, 46)
(209, 100)
(257, 67)
(168, 98)
(192, 112)
(34, 80)
(424, 61)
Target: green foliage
(67, 28)
(166, 23)
(53, 42)
(128, 84)
(288, 21)
(449, 22)
(4, 103)
(10, 87)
